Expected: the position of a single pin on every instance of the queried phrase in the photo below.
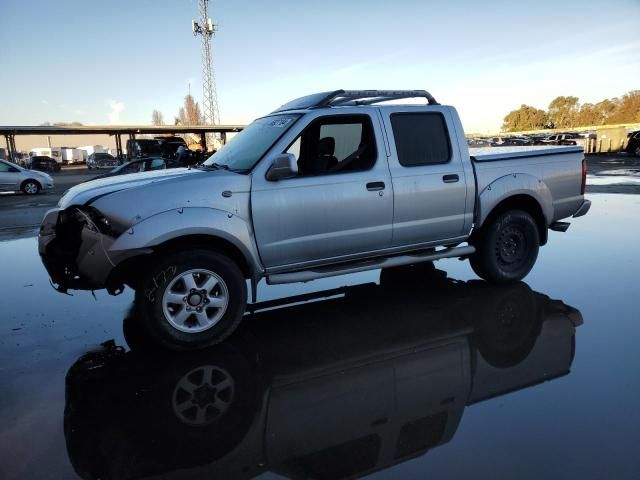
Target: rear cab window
(421, 138)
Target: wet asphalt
(416, 373)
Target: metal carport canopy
(118, 129)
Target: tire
(507, 248)
(30, 187)
(191, 300)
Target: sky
(114, 62)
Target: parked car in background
(633, 143)
(101, 160)
(143, 147)
(561, 139)
(154, 147)
(14, 178)
(478, 142)
(510, 142)
(537, 138)
(51, 152)
(142, 165)
(170, 145)
(42, 163)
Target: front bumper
(584, 208)
(74, 254)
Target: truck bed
(490, 154)
(552, 169)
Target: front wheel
(192, 300)
(30, 187)
(507, 248)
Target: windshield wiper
(213, 166)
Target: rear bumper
(584, 208)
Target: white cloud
(116, 110)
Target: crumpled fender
(510, 185)
(181, 222)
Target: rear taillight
(584, 176)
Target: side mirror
(284, 166)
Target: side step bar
(364, 265)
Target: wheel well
(30, 180)
(127, 271)
(526, 203)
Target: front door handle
(450, 178)
(373, 186)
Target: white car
(14, 178)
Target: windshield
(247, 147)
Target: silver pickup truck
(328, 184)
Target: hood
(129, 199)
(36, 173)
(85, 192)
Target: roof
(117, 129)
(352, 97)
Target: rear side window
(421, 138)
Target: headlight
(97, 222)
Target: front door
(341, 202)
(8, 177)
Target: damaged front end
(73, 244)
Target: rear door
(427, 173)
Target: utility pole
(206, 29)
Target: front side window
(249, 146)
(337, 144)
(421, 138)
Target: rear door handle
(450, 178)
(373, 186)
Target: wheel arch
(30, 179)
(516, 191)
(128, 270)
(523, 202)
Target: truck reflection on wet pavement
(407, 373)
(331, 389)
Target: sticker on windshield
(281, 122)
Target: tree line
(568, 112)
(188, 114)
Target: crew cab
(328, 184)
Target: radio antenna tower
(206, 29)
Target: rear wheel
(30, 187)
(507, 248)
(192, 300)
